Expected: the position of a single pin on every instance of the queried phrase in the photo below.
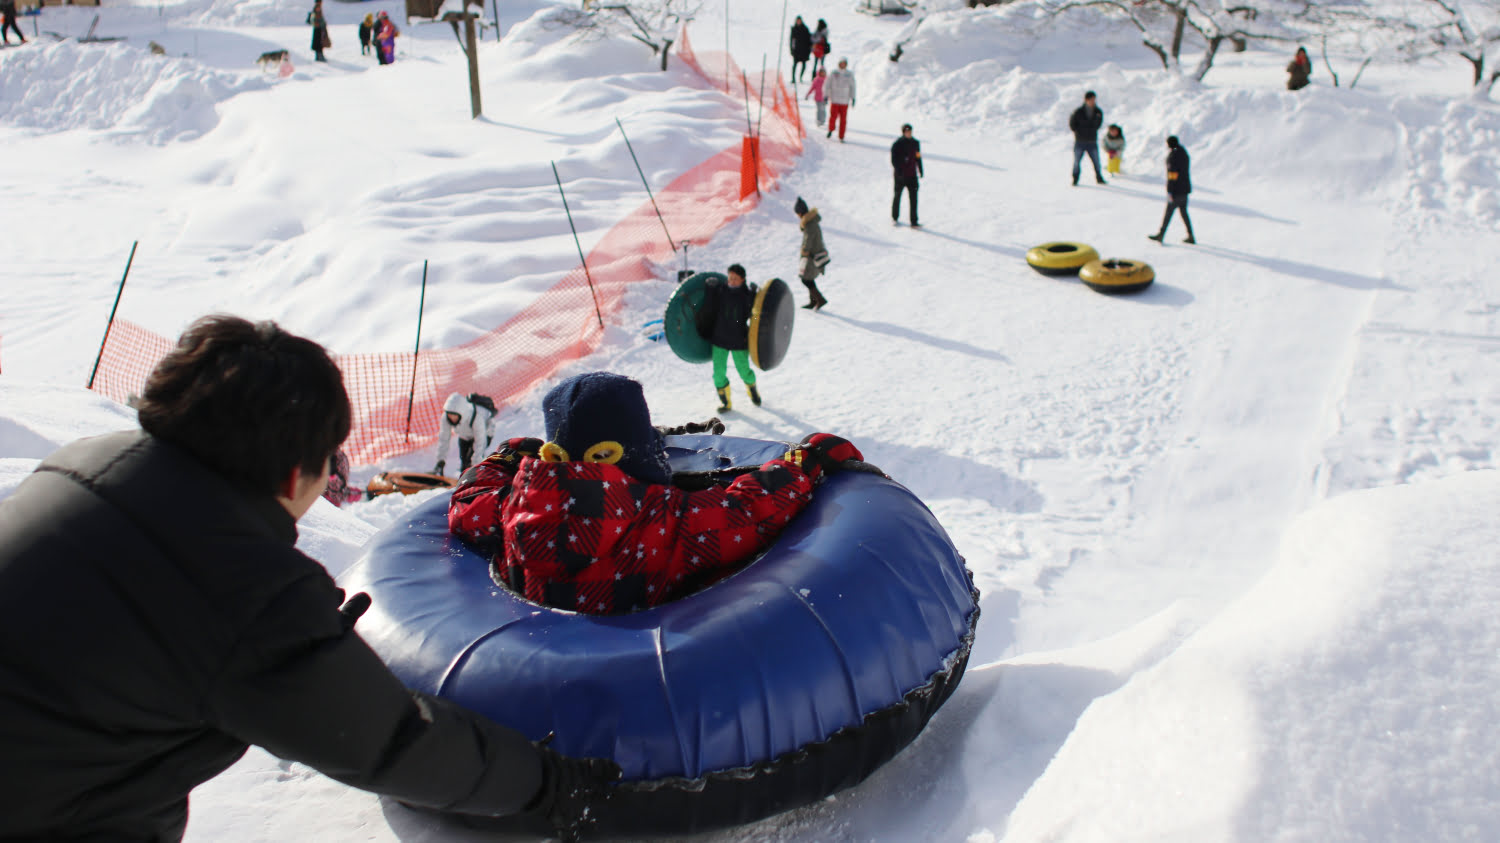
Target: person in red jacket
(589, 520)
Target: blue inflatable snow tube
(793, 678)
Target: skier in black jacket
(1179, 185)
(724, 320)
(906, 161)
(1085, 123)
(156, 618)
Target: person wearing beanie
(1085, 123)
(588, 521)
(1179, 185)
(906, 161)
(814, 255)
(472, 417)
(724, 320)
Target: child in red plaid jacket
(588, 521)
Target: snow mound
(68, 85)
(1350, 695)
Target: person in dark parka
(801, 45)
(156, 618)
(724, 320)
(1085, 122)
(1298, 70)
(1179, 185)
(320, 40)
(906, 162)
(8, 21)
(366, 32)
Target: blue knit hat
(603, 417)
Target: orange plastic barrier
(560, 325)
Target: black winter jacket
(906, 157)
(801, 42)
(725, 315)
(154, 621)
(1085, 127)
(1179, 182)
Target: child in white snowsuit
(816, 92)
(1114, 148)
(475, 425)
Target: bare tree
(654, 23)
(1470, 28)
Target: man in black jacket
(724, 320)
(156, 618)
(1085, 123)
(1179, 185)
(906, 161)
(801, 45)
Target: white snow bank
(1352, 694)
(67, 85)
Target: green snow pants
(741, 363)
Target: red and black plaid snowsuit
(591, 538)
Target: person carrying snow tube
(724, 320)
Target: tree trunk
(1208, 57)
(666, 50)
(1177, 35)
(1160, 53)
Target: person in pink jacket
(816, 92)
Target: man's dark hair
(737, 270)
(249, 400)
(1088, 95)
(906, 127)
(1171, 141)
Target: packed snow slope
(1233, 534)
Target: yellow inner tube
(1117, 274)
(1060, 255)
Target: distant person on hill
(814, 255)
(906, 162)
(1298, 70)
(385, 38)
(156, 619)
(602, 480)
(366, 33)
(320, 39)
(472, 417)
(1114, 148)
(1085, 123)
(724, 320)
(1179, 185)
(815, 90)
(840, 90)
(820, 45)
(801, 47)
(8, 13)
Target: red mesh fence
(559, 325)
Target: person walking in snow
(724, 320)
(801, 44)
(815, 90)
(366, 34)
(1085, 123)
(1298, 70)
(840, 90)
(156, 619)
(640, 541)
(1179, 185)
(320, 39)
(472, 417)
(1114, 148)
(8, 21)
(814, 255)
(820, 45)
(385, 38)
(906, 161)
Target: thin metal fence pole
(670, 241)
(118, 293)
(581, 259)
(411, 395)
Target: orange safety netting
(561, 324)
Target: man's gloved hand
(569, 787)
(353, 608)
(438, 469)
(829, 453)
(712, 426)
(511, 451)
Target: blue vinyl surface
(860, 600)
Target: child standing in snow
(366, 32)
(816, 92)
(1114, 148)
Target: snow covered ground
(1233, 534)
